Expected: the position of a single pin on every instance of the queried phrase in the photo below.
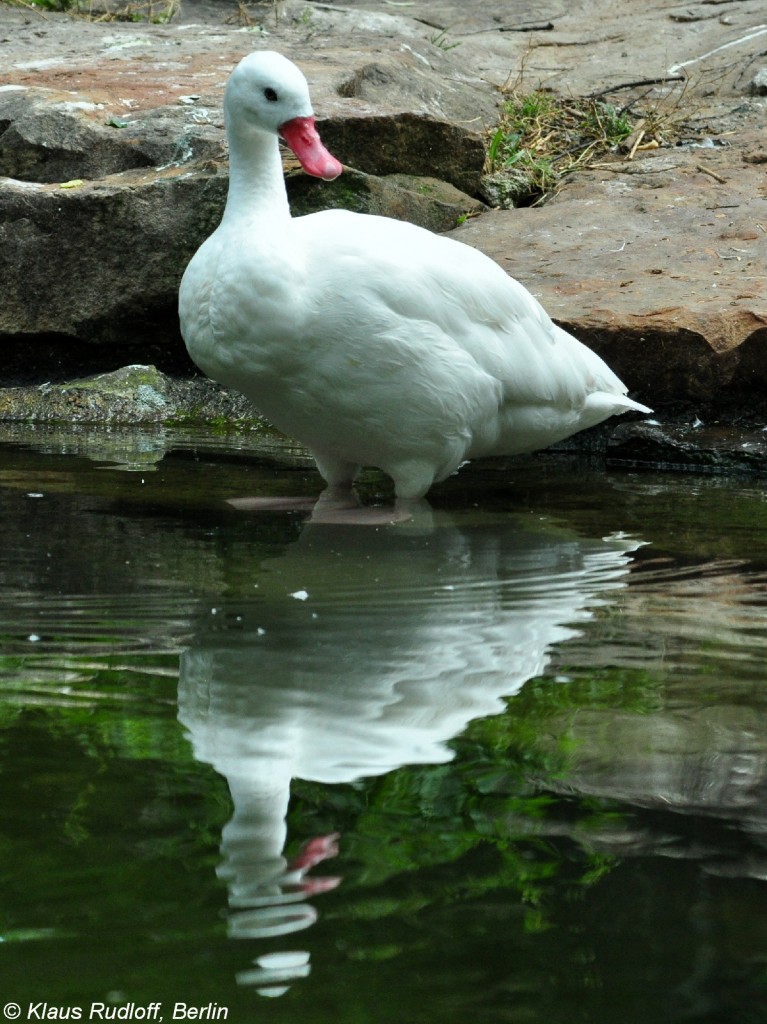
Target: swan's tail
(606, 403)
(608, 397)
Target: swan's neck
(256, 182)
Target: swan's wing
(395, 274)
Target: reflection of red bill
(312, 852)
(303, 138)
(311, 886)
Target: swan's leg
(412, 479)
(339, 502)
(338, 474)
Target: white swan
(371, 341)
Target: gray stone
(758, 84)
(47, 139)
(692, 448)
(430, 202)
(131, 395)
(407, 142)
(101, 261)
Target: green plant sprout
(440, 39)
(541, 138)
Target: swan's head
(266, 92)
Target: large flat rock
(576, 46)
(656, 264)
(359, 63)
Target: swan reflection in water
(364, 650)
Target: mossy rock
(132, 394)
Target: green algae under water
(508, 763)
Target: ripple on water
(76, 649)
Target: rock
(56, 137)
(101, 261)
(507, 189)
(657, 264)
(697, 448)
(409, 142)
(430, 202)
(758, 84)
(135, 394)
(46, 139)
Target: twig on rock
(635, 85)
(711, 174)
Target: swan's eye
(270, 94)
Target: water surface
(506, 763)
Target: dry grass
(250, 13)
(247, 13)
(158, 12)
(542, 138)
